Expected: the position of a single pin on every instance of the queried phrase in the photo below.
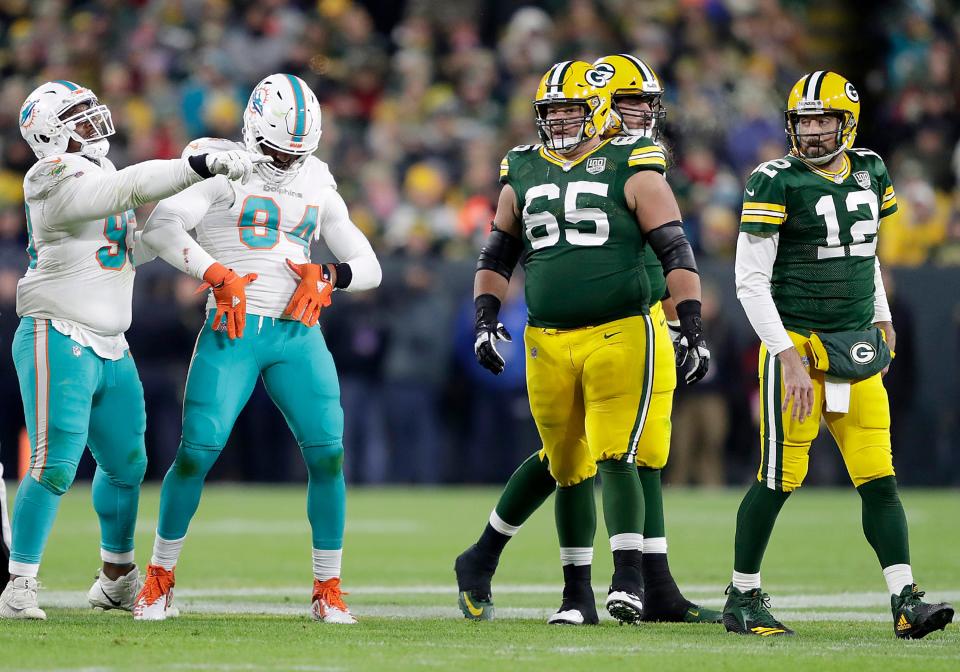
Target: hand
(673, 328)
(312, 294)
(796, 384)
(693, 356)
(235, 164)
(488, 331)
(230, 294)
(891, 337)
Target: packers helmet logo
(862, 352)
(599, 76)
(851, 92)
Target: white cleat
(624, 606)
(567, 617)
(19, 599)
(154, 602)
(328, 605)
(108, 594)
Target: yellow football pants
(654, 444)
(862, 434)
(589, 391)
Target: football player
(262, 230)
(635, 93)
(809, 280)
(4, 532)
(78, 381)
(581, 209)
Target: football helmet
(629, 76)
(284, 115)
(822, 92)
(571, 82)
(48, 130)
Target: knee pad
(57, 478)
(194, 461)
(324, 460)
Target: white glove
(235, 164)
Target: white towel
(836, 392)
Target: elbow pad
(672, 248)
(500, 254)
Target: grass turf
(248, 550)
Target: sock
(627, 571)
(897, 577)
(576, 556)
(755, 520)
(653, 525)
(745, 582)
(34, 511)
(884, 522)
(525, 492)
(326, 494)
(166, 552)
(576, 514)
(181, 489)
(326, 564)
(623, 507)
(576, 583)
(117, 558)
(116, 506)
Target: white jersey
(255, 227)
(81, 226)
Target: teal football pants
(299, 375)
(73, 398)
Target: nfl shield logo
(76, 351)
(596, 165)
(863, 178)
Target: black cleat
(578, 606)
(914, 618)
(625, 605)
(474, 572)
(749, 614)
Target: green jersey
(583, 248)
(823, 276)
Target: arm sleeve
(754, 268)
(166, 230)
(349, 245)
(881, 309)
(85, 195)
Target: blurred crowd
(420, 100)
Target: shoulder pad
(319, 173)
(204, 145)
(519, 149)
(47, 173)
(642, 153)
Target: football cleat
(154, 602)
(625, 606)
(328, 605)
(697, 614)
(749, 614)
(914, 618)
(578, 607)
(121, 593)
(474, 572)
(19, 599)
(682, 611)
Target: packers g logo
(851, 92)
(600, 75)
(862, 352)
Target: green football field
(243, 586)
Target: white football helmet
(48, 132)
(283, 114)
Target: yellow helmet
(629, 76)
(572, 83)
(823, 92)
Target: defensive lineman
(78, 381)
(263, 230)
(809, 280)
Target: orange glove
(313, 293)
(228, 292)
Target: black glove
(693, 357)
(488, 331)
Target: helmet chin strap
(97, 149)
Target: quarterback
(809, 281)
(581, 209)
(636, 110)
(262, 230)
(78, 381)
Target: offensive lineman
(263, 230)
(78, 381)
(809, 281)
(635, 94)
(572, 206)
